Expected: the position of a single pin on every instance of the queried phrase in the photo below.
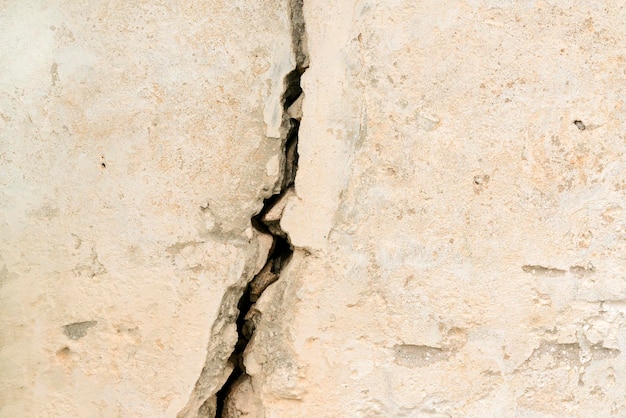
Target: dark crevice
(291, 156)
(266, 221)
(279, 255)
(293, 90)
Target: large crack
(267, 221)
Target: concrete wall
(457, 228)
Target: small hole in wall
(579, 124)
(103, 165)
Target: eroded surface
(136, 142)
(459, 237)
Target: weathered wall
(467, 254)
(137, 139)
(460, 242)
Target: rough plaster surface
(467, 253)
(137, 139)
(460, 242)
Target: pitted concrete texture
(137, 139)
(457, 223)
(465, 161)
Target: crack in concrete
(267, 222)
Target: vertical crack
(267, 221)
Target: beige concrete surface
(137, 139)
(457, 222)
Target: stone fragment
(295, 110)
(242, 401)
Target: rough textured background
(467, 257)
(460, 241)
(137, 139)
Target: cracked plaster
(457, 220)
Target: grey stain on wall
(78, 330)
